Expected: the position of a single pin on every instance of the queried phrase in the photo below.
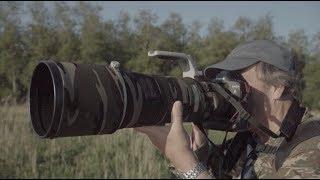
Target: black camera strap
(227, 157)
(245, 117)
(215, 153)
(223, 158)
(292, 119)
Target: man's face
(263, 100)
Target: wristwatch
(191, 174)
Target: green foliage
(216, 47)
(78, 33)
(243, 27)
(144, 64)
(67, 37)
(311, 94)
(11, 49)
(93, 40)
(263, 29)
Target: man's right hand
(199, 143)
(173, 140)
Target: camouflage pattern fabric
(298, 158)
(99, 99)
(303, 162)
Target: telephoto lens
(69, 99)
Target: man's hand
(199, 143)
(173, 140)
(197, 138)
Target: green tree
(298, 42)
(193, 35)
(316, 45)
(311, 93)
(11, 48)
(243, 27)
(40, 38)
(78, 33)
(194, 43)
(147, 37)
(174, 38)
(93, 39)
(67, 37)
(217, 44)
(146, 31)
(175, 32)
(262, 29)
(125, 46)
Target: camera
(69, 99)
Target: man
(271, 72)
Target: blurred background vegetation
(78, 33)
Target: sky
(286, 15)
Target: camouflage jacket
(277, 158)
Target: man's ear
(276, 92)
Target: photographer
(271, 72)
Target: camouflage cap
(249, 53)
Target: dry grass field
(124, 154)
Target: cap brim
(229, 65)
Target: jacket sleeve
(302, 162)
(302, 165)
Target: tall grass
(124, 154)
